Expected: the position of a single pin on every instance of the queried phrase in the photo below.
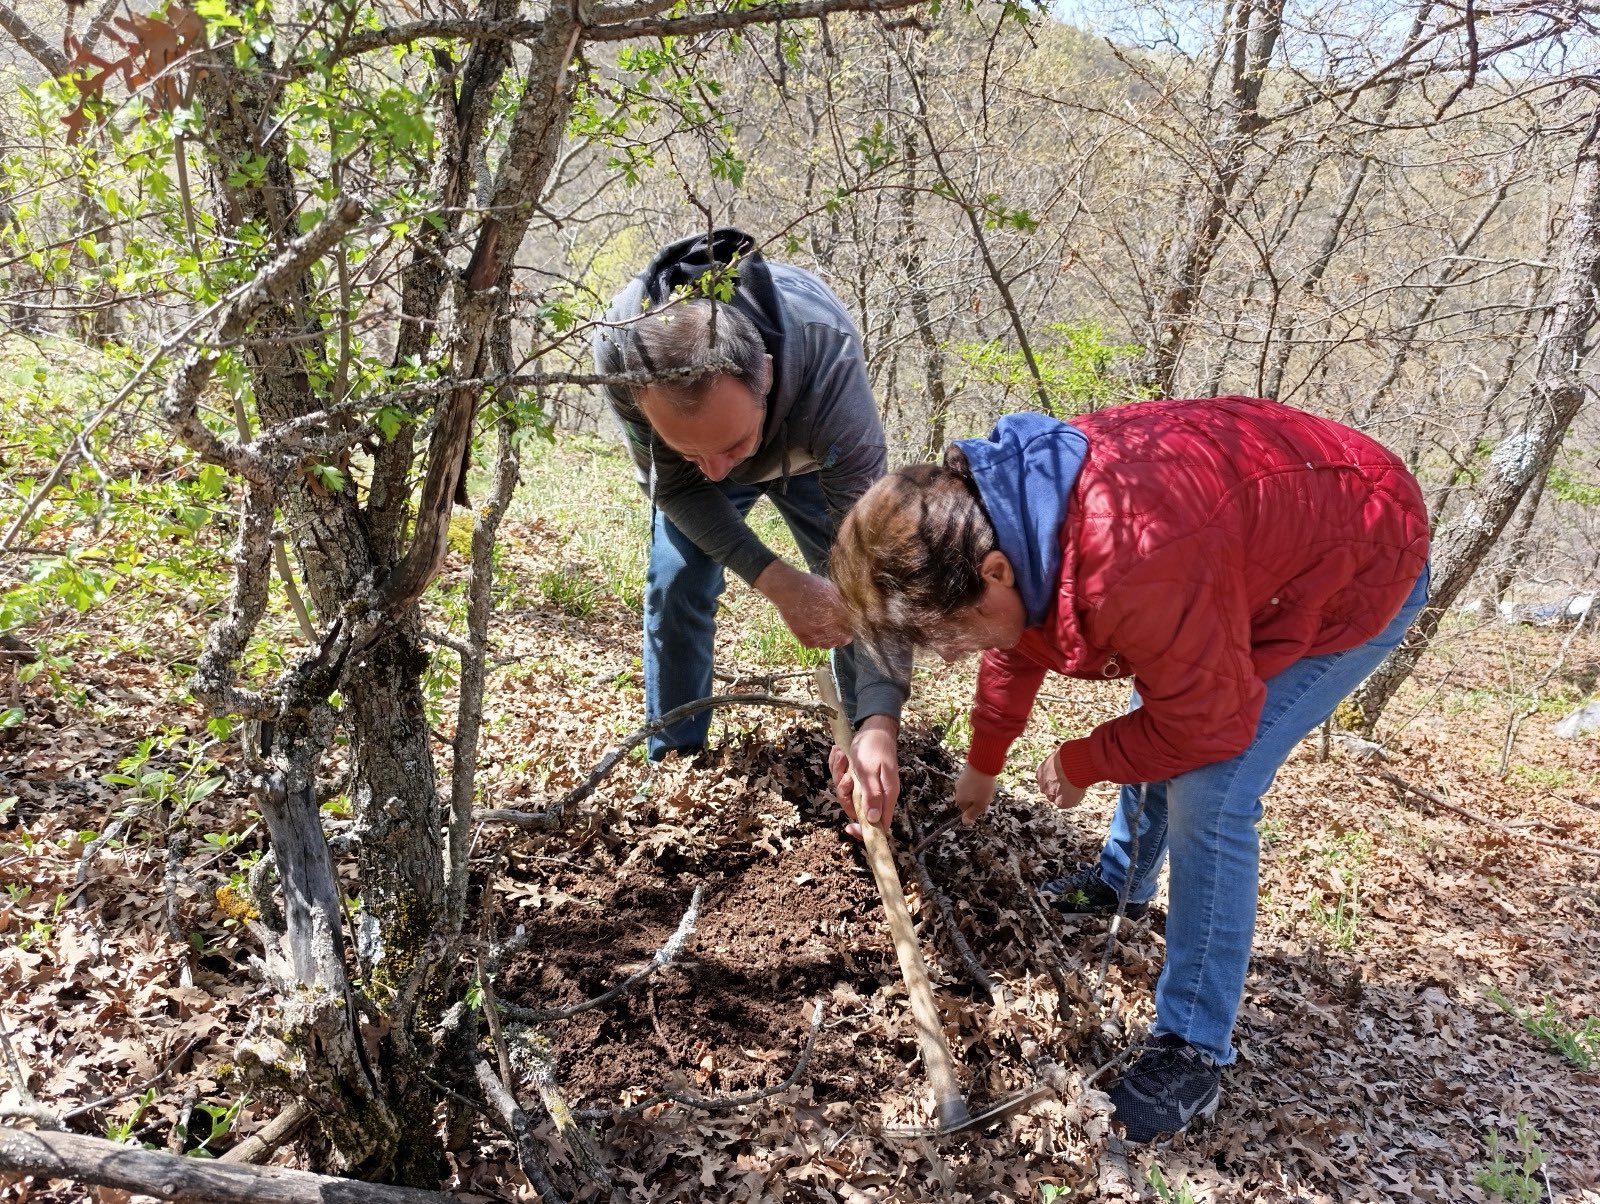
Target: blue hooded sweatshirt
(1025, 471)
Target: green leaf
(390, 419)
(329, 477)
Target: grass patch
(1550, 777)
(570, 591)
(1169, 1193)
(583, 488)
(768, 642)
(1343, 858)
(1513, 1174)
(1579, 1044)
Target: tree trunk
(912, 268)
(1520, 546)
(1272, 386)
(1250, 46)
(1524, 457)
(378, 1111)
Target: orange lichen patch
(235, 908)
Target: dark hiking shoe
(1170, 1085)
(1084, 892)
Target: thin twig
(114, 831)
(1125, 1055)
(140, 1089)
(933, 834)
(664, 957)
(491, 1009)
(1056, 963)
(1402, 787)
(1515, 724)
(30, 1106)
(179, 1136)
(177, 846)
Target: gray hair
(692, 343)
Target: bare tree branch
(48, 57)
(275, 282)
(764, 14)
(1403, 787)
(605, 23)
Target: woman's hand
(973, 793)
(1053, 784)
(877, 756)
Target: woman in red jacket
(1245, 563)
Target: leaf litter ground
(1374, 1058)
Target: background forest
(322, 569)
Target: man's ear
(994, 567)
(765, 383)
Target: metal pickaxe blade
(953, 1121)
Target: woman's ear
(995, 568)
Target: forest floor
(1417, 973)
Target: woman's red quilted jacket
(1207, 546)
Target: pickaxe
(951, 1109)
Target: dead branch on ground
(104, 1163)
(1403, 787)
(261, 1144)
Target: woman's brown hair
(909, 554)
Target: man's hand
(1053, 784)
(973, 793)
(877, 756)
(810, 605)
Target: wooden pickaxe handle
(936, 1060)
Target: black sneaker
(1170, 1085)
(1085, 892)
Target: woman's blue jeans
(682, 586)
(1205, 821)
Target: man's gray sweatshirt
(820, 417)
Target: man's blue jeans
(1208, 818)
(680, 607)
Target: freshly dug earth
(790, 917)
(790, 920)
